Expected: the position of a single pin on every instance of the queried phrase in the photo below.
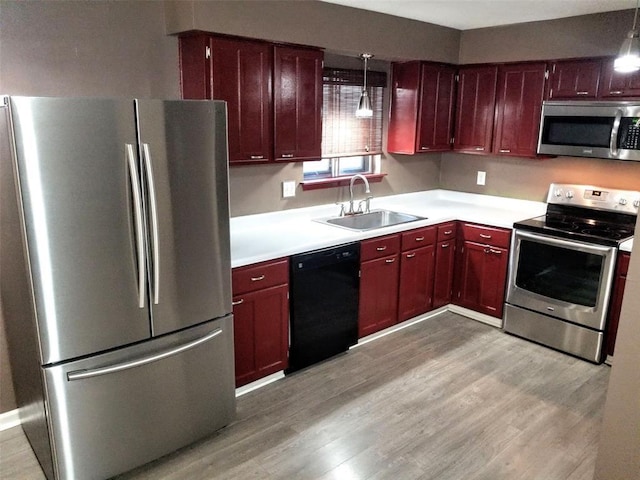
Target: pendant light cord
(635, 16)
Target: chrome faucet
(366, 201)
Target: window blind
(343, 134)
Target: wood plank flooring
(448, 398)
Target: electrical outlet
(288, 189)
(482, 178)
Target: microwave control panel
(629, 133)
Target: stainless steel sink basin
(370, 221)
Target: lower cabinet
(445, 255)
(417, 260)
(260, 319)
(379, 275)
(481, 271)
(616, 302)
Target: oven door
(561, 278)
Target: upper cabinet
(521, 89)
(273, 94)
(575, 79)
(297, 103)
(618, 85)
(422, 106)
(475, 108)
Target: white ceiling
(468, 14)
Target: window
(350, 145)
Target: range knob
(622, 201)
(558, 192)
(569, 194)
(636, 203)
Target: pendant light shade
(364, 109)
(629, 57)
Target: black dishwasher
(324, 292)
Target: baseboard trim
(9, 419)
(250, 387)
(480, 317)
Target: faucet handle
(367, 204)
(341, 205)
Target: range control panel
(623, 201)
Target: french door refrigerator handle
(83, 374)
(613, 141)
(155, 244)
(137, 210)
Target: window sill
(338, 181)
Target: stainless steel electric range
(562, 267)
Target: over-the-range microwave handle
(138, 362)
(155, 244)
(139, 228)
(613, 141)
(560, 242)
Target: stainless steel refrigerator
(116, 279)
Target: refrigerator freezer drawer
(113, 412)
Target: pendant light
(629, 57)
(364, 109)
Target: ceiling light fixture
(629, 57)
(364, 109)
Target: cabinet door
(378, 306)
(575, 79)
(618, 85)
(616, 302)
(297, 103)
(483, 274)
(475, 109)
(241, 71)
(518, 106)
(403, 111)
(261, 333)
(443, 274)
(416, 282)
(435, 119)
(195, 68)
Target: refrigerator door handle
(155, 244)
(137, 209)
(83, 374)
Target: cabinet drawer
(260, 275)
(446, 230)
(379, 247)
(417, 238)
(498, 237)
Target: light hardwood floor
(448, 399)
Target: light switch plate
(482, 177)
(288, 189)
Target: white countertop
(266, 236)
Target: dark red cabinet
(481, 271)
(618, 85)
(475, 109)
(260, 320)
(297, 103)
(575, 79)
(445, 254)
(417, 260)
(616, 302)
(521, 90)
(422, 106)
(379, 275)
(273, 94)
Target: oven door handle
(613, 141)
(561, 242)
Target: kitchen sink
(370, 221)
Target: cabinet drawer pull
(482, 235)
(479, 149)
(492, 250)
(287, 155)
(448, 232)
(257, 157)
(582, 93)
(238, 302)
(411, 255)
(257, 279)
(424, 148)
(505, 150)
(390, 260)
(616, 92)
(445, 245)
(381, 249)
(419, 239)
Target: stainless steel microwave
(590, 129)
